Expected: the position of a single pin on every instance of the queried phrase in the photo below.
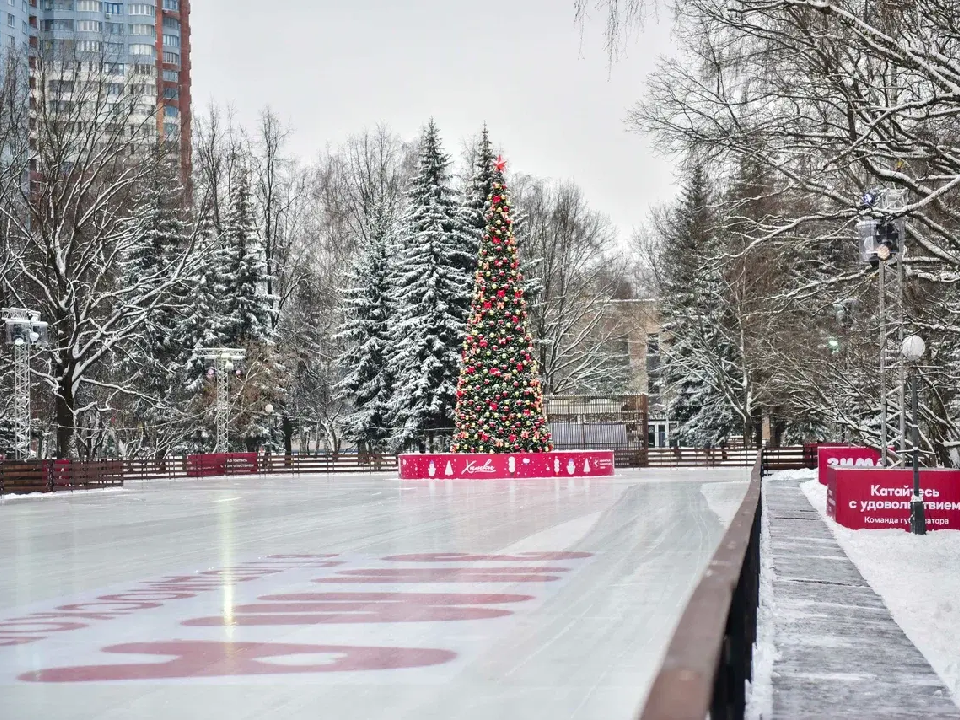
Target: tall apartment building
(149, 40)
(15, 28)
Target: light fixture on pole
(912, 350)
(22, 329)
(225, 360)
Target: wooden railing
(685, 457)
(710, 657)
(59, 475)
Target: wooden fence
(59, 475)
(45, 476)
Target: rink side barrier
(787, 458)
(44, 476)
(710, 657)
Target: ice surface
(917, 579)
(214, 597)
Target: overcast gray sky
(329, 68)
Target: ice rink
(351, 597)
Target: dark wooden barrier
(326, 464)
(60, 475)
(23, 477)
(710, 656)
(685, 457)
(790, 458)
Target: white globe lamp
(913, 348)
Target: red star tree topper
(499, 396)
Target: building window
(113, 8)
(89, 6)
(171, 58)
(171, 41)
(58, 25)
(171, 5)
(170, 23)
(89, 46)
(141, 9)
(142, 69)
(89, 26)
(142, 50)
(61, 5)
(11, 20)
(171, 93)
(113, 28)
(171, 76)
(170, 111)
(143, 30)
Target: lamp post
(912, 350)
(224, 362)
(23, 329)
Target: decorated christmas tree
(499, 396)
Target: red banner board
(216, 464)
(465, 466)
(880, 498)
(844, 456)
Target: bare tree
(575, 272)
(72, 226)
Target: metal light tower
(879, 248)
(224, 360)
(22, 329)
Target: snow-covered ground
(917, 579)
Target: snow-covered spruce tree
(430, 291)
(476, 195)
(499, 395)
(368, 383)
(156, 355)
(249, 308)
(697, 363)
(248, 313)
(204, 323)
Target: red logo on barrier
(840, 456)
(473, 467)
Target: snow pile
(760, 691)
(62, 494)
(916, 578)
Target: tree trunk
(66, 418)
(287, 427)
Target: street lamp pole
(23, 330)
(912, 350)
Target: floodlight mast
(883, 206)
(224, 360)
(22, 329)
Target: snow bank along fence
(710, 656)
(60, 475)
